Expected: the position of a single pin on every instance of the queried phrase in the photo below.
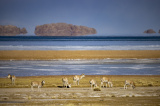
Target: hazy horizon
(108, 17)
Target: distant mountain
(63, 29)
(10, 30)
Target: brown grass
(78, 54)
(56, 81)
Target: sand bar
(78, 54)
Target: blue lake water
(88, 67)
(79, 43)
(77, 67)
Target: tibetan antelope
(77, 78)
(93, 83)
(13, 78)
(37, 84)
(107, 81)
(128, 82)
(65, 82)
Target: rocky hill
(10, 30)
(149, 31)
(63, 29)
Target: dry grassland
(56, 81)
(147, 91)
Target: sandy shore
(78, 54)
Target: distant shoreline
(78, 54)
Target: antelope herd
(76, 80)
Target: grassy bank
(56, 81)
(78, 54)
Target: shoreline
(78, 54)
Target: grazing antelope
(128, 82)
(38, 84)
(93, 83)
(107, 81)
(13, 78)
(65, 82)
(77, 78)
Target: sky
(108, 17)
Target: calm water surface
(72, 67)
(79, 43)
(76, 67)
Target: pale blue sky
(108, 17)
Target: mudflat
(78, 54)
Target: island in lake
(11, 30)
(55, 29)
(63, 29)
(149, 31)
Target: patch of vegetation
(150, 85)
(133, 95)
(113, 95)
(127, 95)
(97, 89)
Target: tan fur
(65, 82)
(77, 78)
(93, 83)
(37, 84)
(128, 82)
(107, 81)
(13, 78)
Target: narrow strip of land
(84, 96)
(78, 54)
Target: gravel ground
(80, 96)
